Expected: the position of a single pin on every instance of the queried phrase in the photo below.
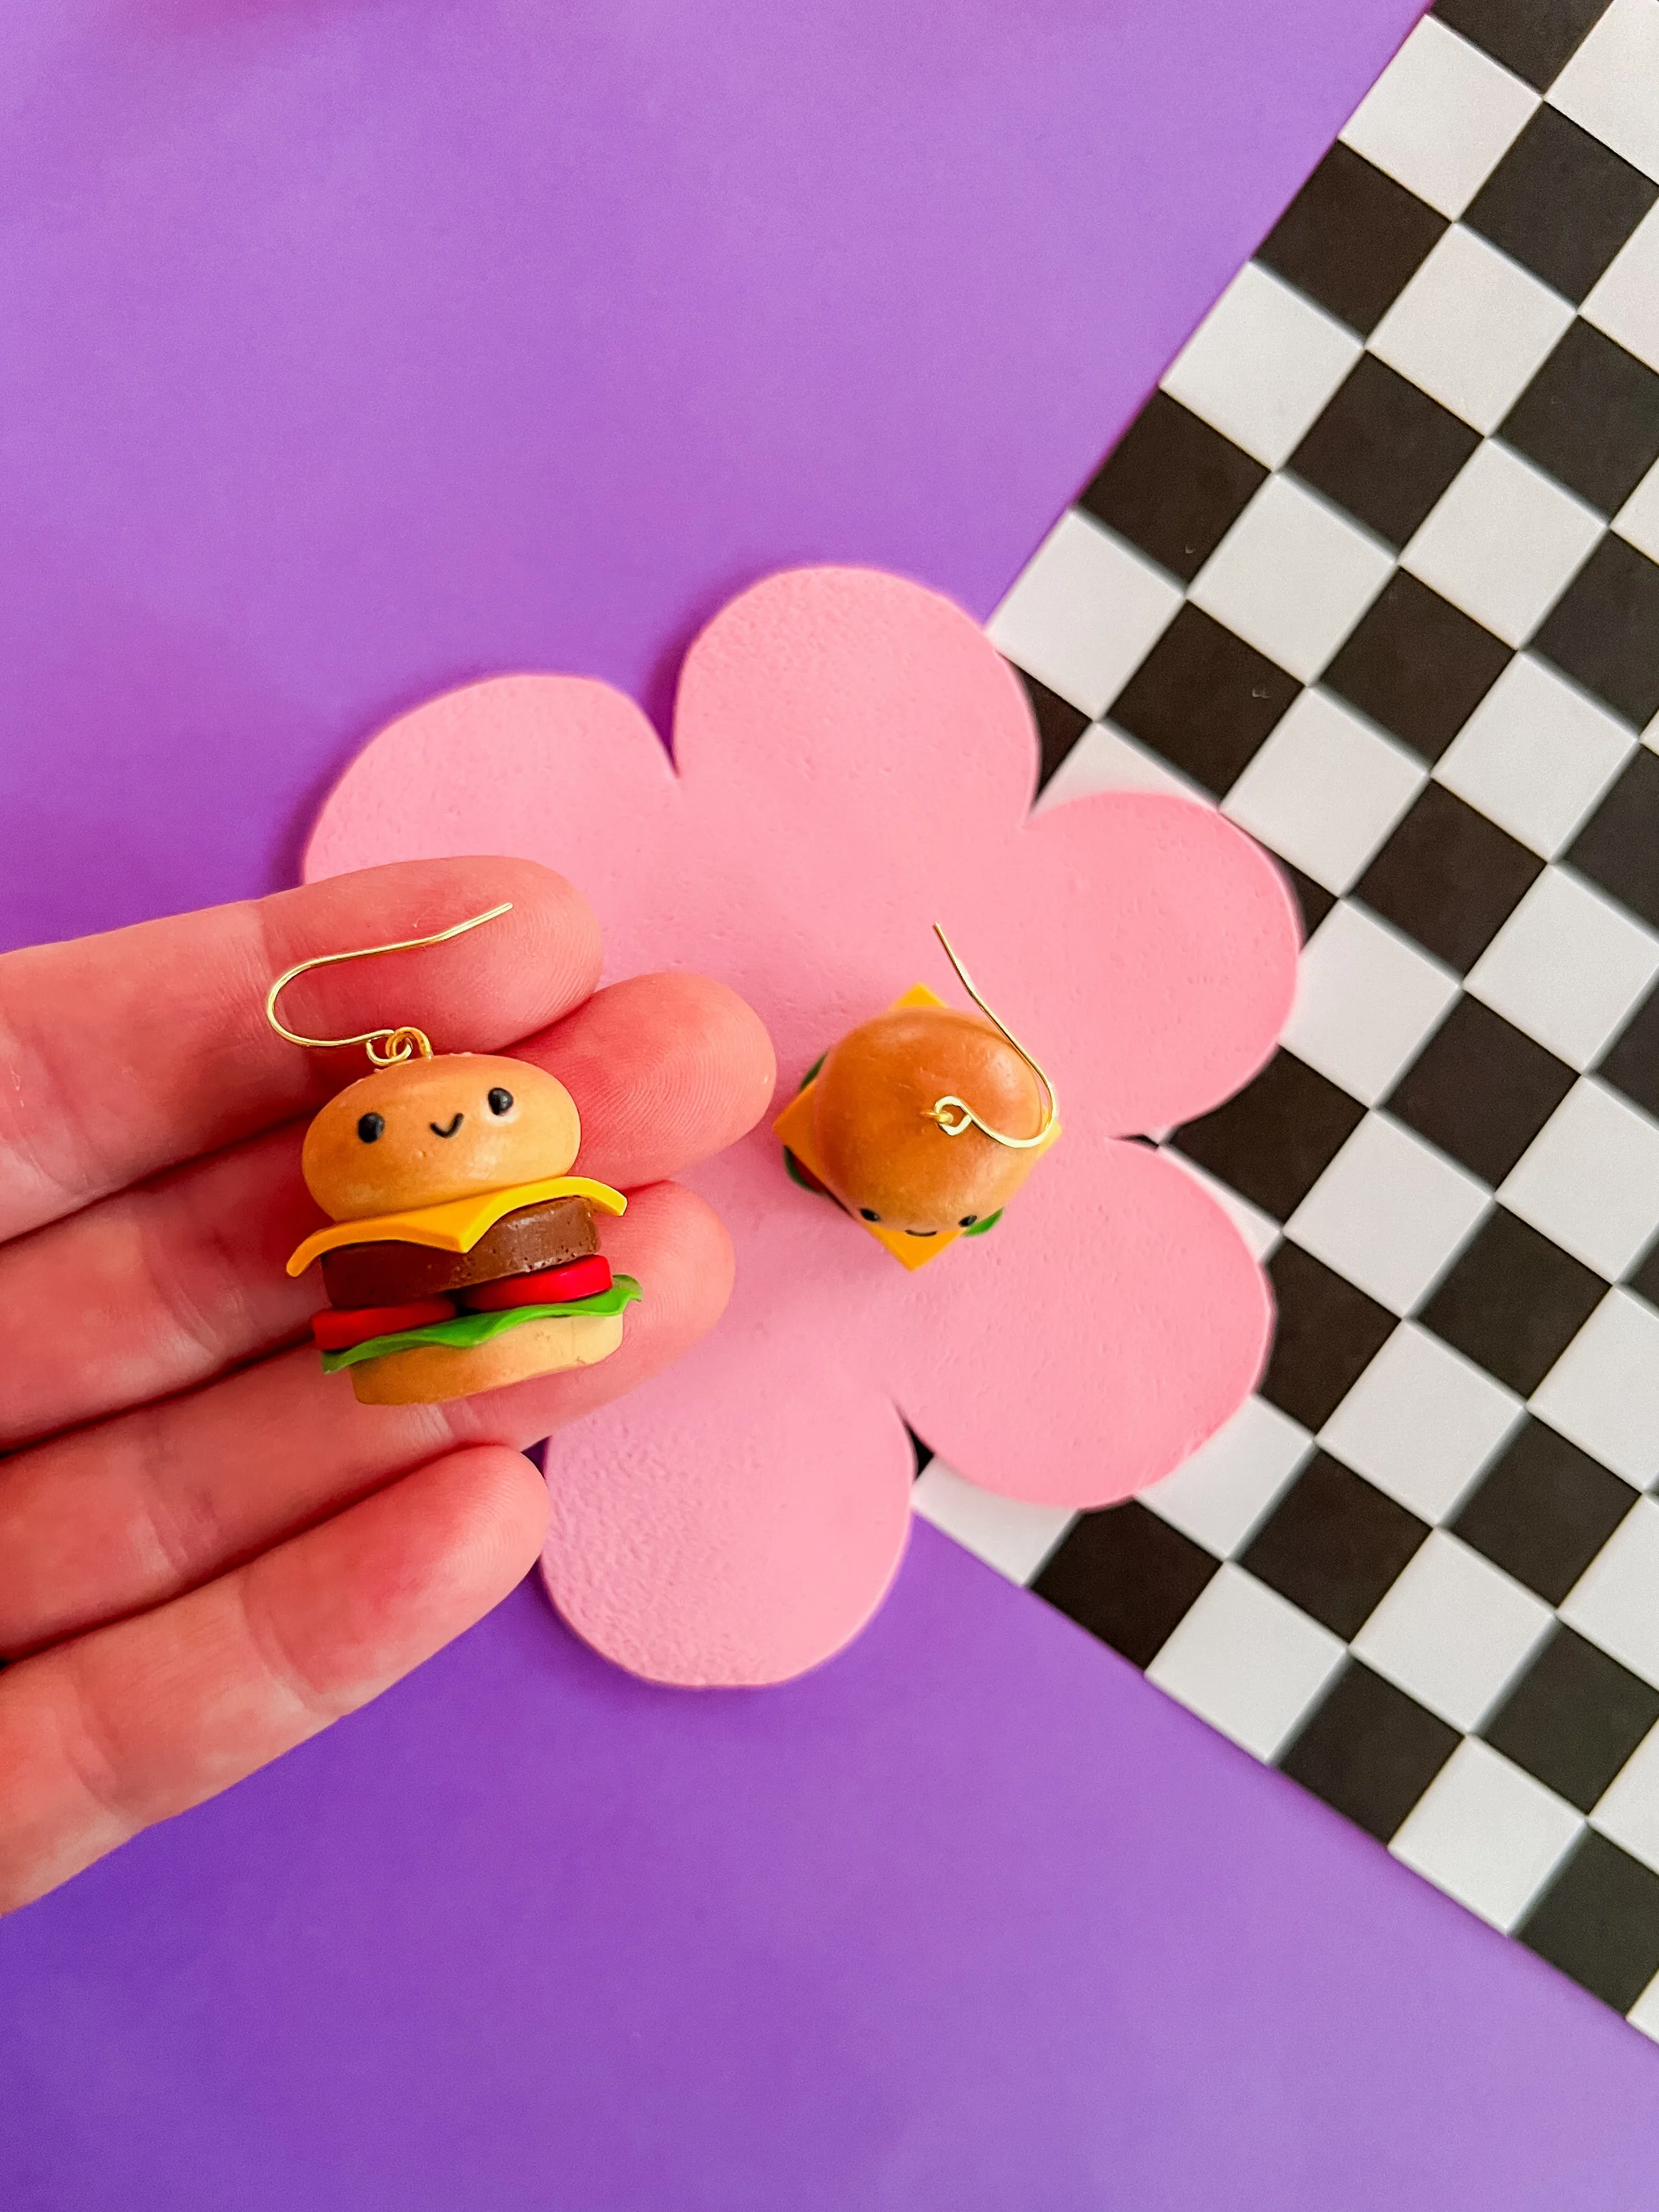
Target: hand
(209, 1550)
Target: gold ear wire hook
(955, 1116)
(395, 1044)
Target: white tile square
(1261, 365)
(1008, 1534)
(1260, 1230)
(1084, 613)
(1638, 519)
(1219, 1495)
(1628, 1809)
(1625, 299)
(1246, 1661)
(1389, 1213)
(1504, 542)
(1487, 1834)
(1471, 328)
(1609, 87)
(1644, 2013)
(1589, 1179)
(1293, 577)
(1454, 1631)
(1603, 1393)
(1440, 118)
(1421, 1422)
(1325, 790)
(1535, 755)
(1104, 759)
(1566, 967)
(1366, 1000)
(1616, 1601)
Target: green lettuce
(467, 1330)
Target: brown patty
(545, 1236)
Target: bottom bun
(434, 1371)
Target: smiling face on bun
(428, 1131)
(464, 1255)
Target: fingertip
(665, 1069)
(504, 1500)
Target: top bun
(879, 1147)
(426, 1131)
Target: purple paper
(351, 350)
(972, 1921)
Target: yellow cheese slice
(456, 1225)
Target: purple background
(352, 348)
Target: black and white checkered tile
(1377, 570)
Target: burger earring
(883, 1124)
(464, 1255)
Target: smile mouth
(450, 1131)
(921, 1233)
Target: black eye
(500, 1101)
(869, 1213)
(371, 1127)
(967, 1221)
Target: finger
(705, 1081)
(127, 1053)
(159, 1288)
(133, 1723)
(126, 1515)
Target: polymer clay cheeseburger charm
(463, 1254)
(884, 1126)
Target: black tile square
(1604, 630)
(1417, 665)
(1513, 1302)
(1619, 847)
(1631, 1062)
(1060, 724)
(1205, 700)
(1351, 238)
(1591, 417)
(1544, 1510)
(1535, 38)
(1333, 1545)
(1173, 486)
(1448, 876)
(1313, 900)
(1561, 203)
(1370, 1751)
(1645, 1277)
(1599, 1921)
(1384, 449)
(1480, 1090)
(1274, 1139)
(1126, 1576)
(1573, 1718)
(1327, 1333)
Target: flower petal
(1111, 1321)
(1151, 948)
(561, 770)
(735, 1522)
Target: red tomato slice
(341, 1326)
(547, 1286)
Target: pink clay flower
(853, 760)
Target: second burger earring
(884, 1126)
(463, 1253)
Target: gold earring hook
(394, 1044)
(955, 1116)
